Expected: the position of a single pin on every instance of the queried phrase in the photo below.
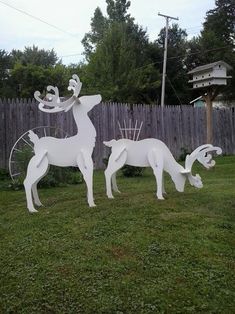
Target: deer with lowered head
(72, 151)
(155, 154)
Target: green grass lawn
(133, 254)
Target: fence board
(184, 126)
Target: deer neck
(172, 167)
(85, 127)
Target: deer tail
(110, 143)
(33, 137)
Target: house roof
(198, 98)
(210, 66)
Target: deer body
(74, 151)
(136, 151)
(155, 154)
(63, 152)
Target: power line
(182, 56)
(192, 27)
(174, 90)
(37, 18)
(71, 55)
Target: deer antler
(54, 99)
(201, 155)
(75, 84)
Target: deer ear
(90, 100)
(185, 171)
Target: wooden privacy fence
(184, 126)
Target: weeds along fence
(180, 127)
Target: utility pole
(167, 17)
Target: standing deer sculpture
(155, 154)
(73, 151)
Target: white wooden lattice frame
(130, 132)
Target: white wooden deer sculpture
(155, 154)
(73, 151)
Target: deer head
(202, 155)
(54, 101)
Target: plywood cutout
(155, 154)
(72, 151)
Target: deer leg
(85, 164)
(35, 190)
(156, 164)
(35, 194)
(114, 183)
(116, 160)
(37, 168)
(163, 185)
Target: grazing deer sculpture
(155, 154)
(72, 151)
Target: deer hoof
(33, 210)
(110, 196)
(92, 205)
(39, 204)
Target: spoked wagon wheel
(22, 150)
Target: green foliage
(177, 89)
(112, 68)
(122, 63)
(129, 171)
(216, 41)
(5, 65)
(221, 21)
(133, 254)
(184, 153)
(23, 72)
(117, 10)
(3, 175)
(34, 55)
(25, 79)
(91, 39)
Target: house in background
(198, 102)
(219, 102)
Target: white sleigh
(155, 154)
(72, 151)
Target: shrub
(184, 153)
(130, 171)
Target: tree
(24, 80)
(98, 26)
(23, 72)
(216, 41)
(117, 10)
(5, 65)
(119, 66)
(221, 20)
(34, 55)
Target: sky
(66, 22)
